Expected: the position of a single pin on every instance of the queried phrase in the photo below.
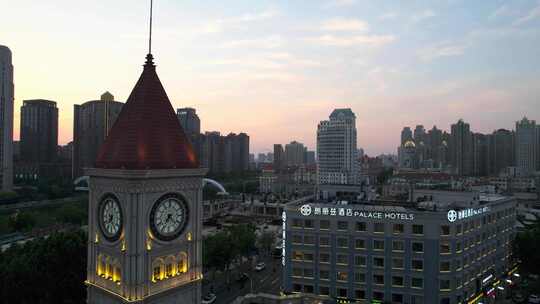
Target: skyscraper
(294, 153)
(189, 120)
(406, 135)
(6, 119)
(336, 149)
(526, 146)
(461, 148)
(279, 157)
(39, 131)
(501, 151)
(92, 121)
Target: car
(534, 299)
(242, 277)
(260, 266)
(209, 298)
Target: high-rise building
(6, 119)
(279, 158)
(526, 146)
(294, 153)
(309, 157)
(145, 209)
(501, 151)
(480, 154)
(225, 154)
(39, 131)
(406, 135)
(92, 121)
(337, 150)
(461, 148)
(419, 134)
(189, 120)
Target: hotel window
(297, 255)
(445, 247)
(397, 298)
(297, 223)
(417, 247)
(445, 230)
(378, 262)
(308, 257)
(308, 288)
(309, 240)
(417, 299)
(297, 272)
(378, 279)
(361, 226)
(398, 228)
(398, 245)
(324, 290)
(397, 263)
(378, 245)
(296, 239)
(342, 225)
(342, 292)
(417, 265)
(360, 244)
(444, 266)
(458, 282)
(359, 294)
(324, 257)
(397, 281)
(444, 284)
(341, 276)
(324, 224)
(342, 259)
(324, 275)
(308, 273)
(360, 260)
(458, 264)
(343, 242)
(418, 229)
(458, 246)
(378, 228)
(308, 224)
(297, 288)
(417, 282)
(324, 241)
(359, 277)
(377, 295)
(445, 301)
(458, 229)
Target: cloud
(339, 3)
(344, 24)
(503, 10)
(259, 43)
(389, 15)
(355, 40)
(219, 25)
(531, 15)
(441, 50)
(425, 14)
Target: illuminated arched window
(170, 264)
(109, 268)
(181, 263)
(117, 272)
(100, 265)
(157, 270)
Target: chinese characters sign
(307, 210)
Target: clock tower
(145, 212)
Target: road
(267, 281)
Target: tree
(45, 270)
(243, 236)
(266, 241)
(21, 221)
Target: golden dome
(409, 144)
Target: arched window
(117, 272)
(109, 268)
(170, 263)
(182, 263)
(157, 273)
(100, 265)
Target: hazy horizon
(275, 69)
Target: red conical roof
(147, 133)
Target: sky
(274, 69)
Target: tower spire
(150, 32)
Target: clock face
(110, 218)
(168, 217)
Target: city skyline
(392, 66)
